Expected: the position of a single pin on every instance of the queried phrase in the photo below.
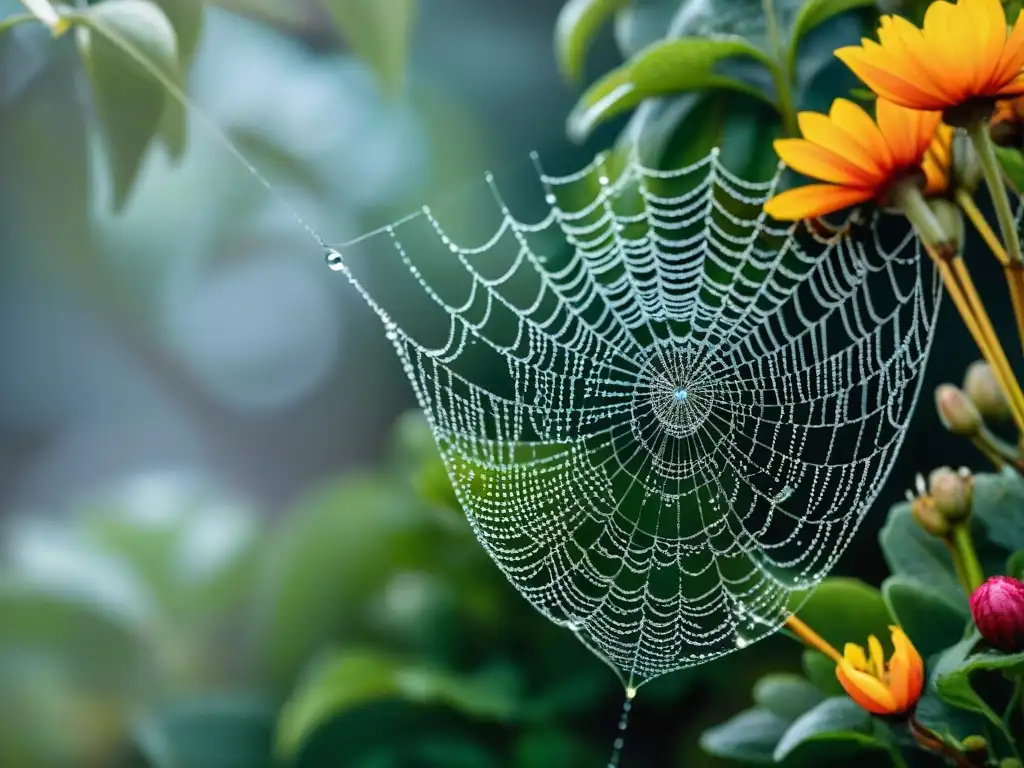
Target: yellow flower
(883, 688)
(962, 53)
(860, 159)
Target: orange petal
(886, 84)
(1011, 59)
(862, 129)
(905, 43)
(908, 132)
(906, 671)
(867, 691)
(814, 200)
(946, 44)
(819, 163)
(991, 35)
(1013, 88)
(820, 130)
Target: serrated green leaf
(750, 736)
(578, 22)
(844, 610)
(786, 695)
(954, 686)
(130, 54)
(379, 32)
(1012, 162)
(813, 13)
(931, 620)
(344, 681)
(671, 66)
(837, 719)
(186, 17)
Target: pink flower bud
(998, 610)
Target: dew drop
(550, 199)
(603, 181)
(334, 260)
(681, 394)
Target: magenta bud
(998, 610)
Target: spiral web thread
(663, 414)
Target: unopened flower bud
(951, 220)
(956, 411)
(967, 171)
(928, 516)
(976, 747)
(982, 387)
(951, 493)
(998, 610)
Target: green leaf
(912, 552)
(86, 637)
(821, 671)
(998, 500)
(1012, 162)
(1015, 564)
(550, 746)
(844, 610)
(813, 13)
(209, 731)
(837, 719)
(130, 54)
(326, 559)
(186, 17)
(954, 687)
(379, 32)
(750, 736)
(578, 22)
(667, 67)
(344, 681)
(786, 695)
(931, 620)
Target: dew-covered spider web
(664, 415)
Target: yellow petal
(853, 654)
(1012, 57)
(992, 39)
(864, 689)
(911, 58)
(820, 130)
(862, 129)
(877, 656)
(814, 200)
(885, 83)
(820, 163)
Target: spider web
(663, 414)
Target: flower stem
(968, 557)
(812, 638)
(781, 72)
(979, 133)
(1013, 271)
(929, 740)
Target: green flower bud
(951, 492)
(928, 517)
(951, 221)
(957, 412)
(975, 746)
(967, 172)
(982, 387)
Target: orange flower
(882, 688)
(859, 159)
(1009, 111)
(962, 53)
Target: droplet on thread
(334, 260)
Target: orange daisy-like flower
(858, 158)
(880, 687)
(962, 53)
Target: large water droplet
(681, 394)
(334, 260)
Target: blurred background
(226, 539)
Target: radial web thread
(664, 415)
